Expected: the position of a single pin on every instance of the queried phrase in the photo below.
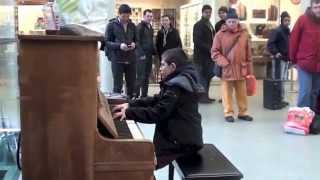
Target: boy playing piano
(174, 110)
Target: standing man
(120, 39)
(203, 34)
(167, 37)
(222, 13)
(145, 51)
(305, 53)
(278, 46)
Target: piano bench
(208, 164)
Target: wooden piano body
(60, 139)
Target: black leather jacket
(115, 35)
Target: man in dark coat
(174, 110)
(167, 37)
(145, 50)
(278, 46)
(203, 34)
(120, 39)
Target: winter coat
(172, 40)
(203, 34)
(145, 40)
(238, 62)
(174, 111)
(305, 43)
(115, 35)
(279, 42)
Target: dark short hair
(147, 11)
(175, 55)
(206, 7)
(124, 9)
(314, 2)
(223, 9)
(166, 15)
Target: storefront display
(189, 15)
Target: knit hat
(232, 14)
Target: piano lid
(105, 115)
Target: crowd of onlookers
(226, 46)
(174, 110)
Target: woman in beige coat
(232, 51)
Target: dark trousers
(129, 71)
(144, 68)
(206, 74)
(165, 159)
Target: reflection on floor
(2, 174)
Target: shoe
(285, 103)
(245, 118)
(212, 99)
(220, 101)
(229, 119)
(204, 100)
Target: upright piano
(66, 124)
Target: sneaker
(229, 119)
(245, 118)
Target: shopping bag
(251, 84)
(299, 120)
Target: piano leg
(171, 172)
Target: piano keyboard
(128, 130)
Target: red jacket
(304, 45)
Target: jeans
(280, 69)
(129, 71)
(309, 87)
(280, 72)
(144, 68)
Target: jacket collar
(146, 24)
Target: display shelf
(32, 2)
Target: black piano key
(123, 130)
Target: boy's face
(124, 17)
(222, 14)
(166, 69)
(286, 21)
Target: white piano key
(9, 130)
(134, 129)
